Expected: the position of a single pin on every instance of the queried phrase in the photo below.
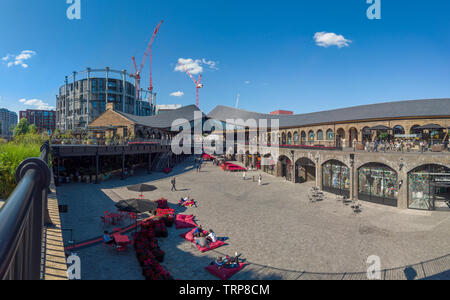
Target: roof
(398, 109)
(167, 119)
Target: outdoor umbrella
(380, 127)
(430, 127)
(137, 205)
(142, 188)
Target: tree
(22, 128)
(32, 128)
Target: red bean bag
(212, 246)
(184, 221)
(224, 273)
(190, 235)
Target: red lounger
(224, 273)
(190, 237)
(184, 221)
(212, 246)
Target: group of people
(227, 262)
(204, 238)
(186, 201)
(244, 177)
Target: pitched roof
(398, 109)
(167, 119)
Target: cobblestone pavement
(274, 226)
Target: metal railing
(22, 220)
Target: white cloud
(177, 94)
(39, 104)
(327, 39)
(18, 60)
(195, 66)
(247, 82)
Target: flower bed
(148, 252)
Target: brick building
(44, 120)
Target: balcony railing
(22, 220)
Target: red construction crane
(137, 73)
(198, 85)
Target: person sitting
(202, 241)
(108, 239)
(219, 262)
(212, 236)
(197, 231)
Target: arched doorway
(268, 164)
(336, 178)
(283, 139)
(296, 138)
(289, 138)
(352, 135)
(285, 167)
(367, 134)
(398, 130)
(378, 183)
(429, 188)
(340, 138)
(303, 138)
(305, 170)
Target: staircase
(161, 162)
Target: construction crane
(137, 72)
(198, 85)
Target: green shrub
(12, 154)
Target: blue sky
(263, 50)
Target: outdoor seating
(185, 221)
(189, 236)
(224, 273)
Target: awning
(430, 127)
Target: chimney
(110, 106)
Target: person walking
(260, 179)
(174, 181)
(243, 176)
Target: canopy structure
(137, 205)
(430, 127)
(380, 127)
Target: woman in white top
(212, 236)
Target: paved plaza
(275, 227)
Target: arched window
(336, 178)
(398, 130)
(330, 135)
(289, 138)
(378, 183)
(303, 137)
(320, 135)
(296, 138)
(283, 139)
(311, 136)
(428, 187)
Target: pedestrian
(174, 184)
(260, 179)
(243, 175)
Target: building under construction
(85, 94)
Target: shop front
(336, 178)
(429, 188)
(378, 183)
